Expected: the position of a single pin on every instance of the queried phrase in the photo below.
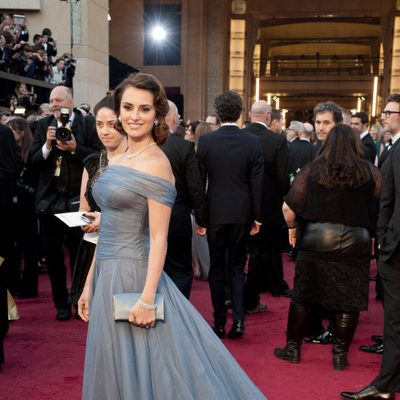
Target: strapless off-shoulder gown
(181, 358)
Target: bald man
(59, 163)
(265, 264)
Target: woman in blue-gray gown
(180, 357)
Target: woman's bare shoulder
(156, 163)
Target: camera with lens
(24, 101)
(63, 133)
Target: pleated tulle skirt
(180, 359)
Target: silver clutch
(124, 302)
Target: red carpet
(44, 357)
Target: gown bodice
(121, 193)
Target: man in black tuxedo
(301, 151)
(60, 165)
(276, 122)
(265, 263)
(190, 196)
(388, 231)
(231, 162)
(10, 164)
(359, 122)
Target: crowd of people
(222, 197)
(31, 57)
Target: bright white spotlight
(158, 33)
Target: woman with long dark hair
(24, 277)
(331, 211)
(136, 358)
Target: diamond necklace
(130, 156)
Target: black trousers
(53, 233)
(388, 379)
(227, 243)
(178, 263)
(270, 259)
(26, 248)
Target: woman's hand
(93, 226)
(83, 304)
(292, 237)
(142, 317)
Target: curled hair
(329, 106)
(228, 106)
(150, 83)
(341, 164)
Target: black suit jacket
(88, 142)
(300, 153)
(275, 178)
(369, 148)
(189, 186)
(232, 164)
(388, 228)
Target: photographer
(69, 69)
(49, 44)
(19, 21)
(59, 147)
(22, 98)
(27, 62)
(6, 50)
(57, 72)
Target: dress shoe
(289, 353)
(63, 314)
(377, 338)
(369, 393)
(373, 348)
(237, 330)
(260, 308)
(284, 293)
(324, 338)
(219, 331)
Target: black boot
(295, 332)
(290, 353)
(344, 327)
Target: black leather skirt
(327, 237)
(332, 266)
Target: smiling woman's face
(137, 113)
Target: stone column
(90, 46)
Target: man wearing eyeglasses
(387, 382)
(214, 121)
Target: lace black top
(358, 206)
(94, 164)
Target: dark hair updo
(150, 83)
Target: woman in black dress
(24, 277)
(331, 211)
(114, 143)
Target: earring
(155, 122)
